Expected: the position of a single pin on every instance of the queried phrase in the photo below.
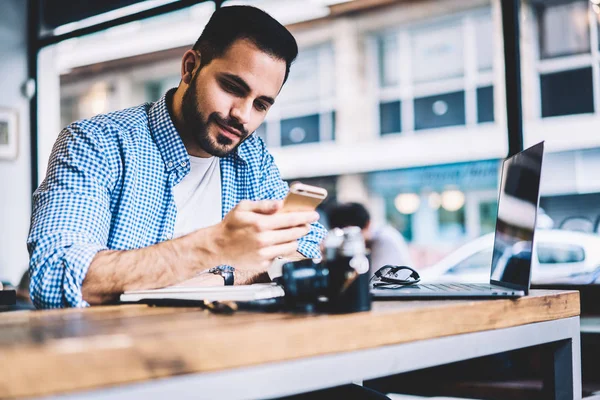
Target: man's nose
(241, 111)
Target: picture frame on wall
(8, 134)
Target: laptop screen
(517, 213)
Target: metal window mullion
(512, 69)
(470, 70)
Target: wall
(15, 175)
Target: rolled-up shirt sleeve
(70, 221)
(308, 245)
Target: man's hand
(253, 233)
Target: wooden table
(128, 352)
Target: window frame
(407, 91)
(324, 106)
(566, 62)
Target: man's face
(229, 98)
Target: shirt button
(183, 163)
(170, 164)
(169, 236)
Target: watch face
(227, 274)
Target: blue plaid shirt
(109, 186)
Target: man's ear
(189, 65)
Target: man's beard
(196, 126)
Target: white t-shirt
(198, 196)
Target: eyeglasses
(390, 276)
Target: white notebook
(258, 291)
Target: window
(567, 92)
(300, 130)
(487, 215)
(304, 111)
(567, 59)
(556, 253)
(402, 222)
(155, 88)
(451, 223)
(388, 62)
(485, 104)
(389, 117)
(564, 29)
(435, 46)
(424, 95)
(439, 111)
(484, 40)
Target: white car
(557, 254)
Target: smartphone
(302, 197)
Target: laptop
(510, 272)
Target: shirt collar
(169, 142)
(165, 134)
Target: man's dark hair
(348, 214)
(228, 24)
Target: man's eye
(231, 88)
(260, 106)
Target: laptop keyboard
(457, 287)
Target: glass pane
(387, 47)
(439, 111)
(556, 253)
(303, 81)
(333, 126)
(435, 47)
(484, 39)
(564, 29)
(485, 104)
(153, 91)
(154, 88)
(389, 117)
(300, 130)
(487, 216)
(568, 92)
(452, 223)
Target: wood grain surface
(58, 351)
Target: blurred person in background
(386, 244)
(161, 193)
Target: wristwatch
(226, 271)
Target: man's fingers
(278, 250)
(289, 220)
(280, 236)
(261, 207)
